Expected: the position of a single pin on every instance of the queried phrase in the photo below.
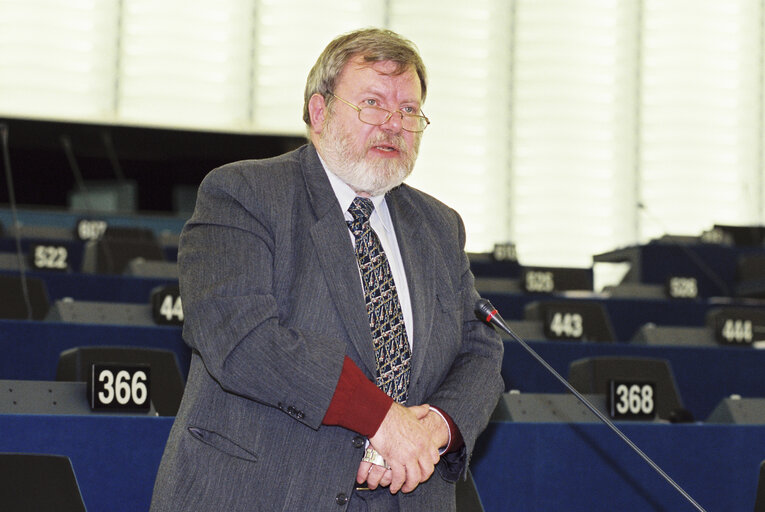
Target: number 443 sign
(117, 386)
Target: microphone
(14, 213)
(66, 143)
(106, 138)
(485, 311)
(695, 258)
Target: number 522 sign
(117, 386)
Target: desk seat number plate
(119, 386)
(629, 400)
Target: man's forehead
(381, 67)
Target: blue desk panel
(704, 376)
(98, 287)
(30, 350)
(115, 459)
(714, 266)
(519, 467)
(534, 467)
(627, 315)
(74, 249)
(68, 219)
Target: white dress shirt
(382, 224)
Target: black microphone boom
(15, 215)
(489, 314)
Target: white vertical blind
(700, 125)
(760, 141)
(573, 129)
(464, 154)
(57, 58)
(289, 36)
(186, 63)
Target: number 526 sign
(117, 386)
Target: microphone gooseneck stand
(15, 215)
(489, 314)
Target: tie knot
(361, 208)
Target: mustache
(396, 141)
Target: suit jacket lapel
(333, 247)
(412, 237)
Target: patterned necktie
(385, 317)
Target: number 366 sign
(120, 386)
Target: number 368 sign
(631, 400)
(120, 386)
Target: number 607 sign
(120, 386)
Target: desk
(30, 349)
(627, 315)
(704, 376)
(536, 467)
(115, 458)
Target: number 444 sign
(166, 305)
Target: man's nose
(394, 122)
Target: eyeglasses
(377, 116)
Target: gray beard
(374, 178)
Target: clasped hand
(408, 439)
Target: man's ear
(317, 111)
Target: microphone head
(484, 309)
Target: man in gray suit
(337, 362)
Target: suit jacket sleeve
(227, 268)
(470, 391)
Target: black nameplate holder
(572, 320)
(51, 257)
(166, 305)
(538, 280)
(682, 287)
(631, 400)
(737, 326)
(564, 325)
(550, 279)
(119, 387)
(504, 252)
(90, 229)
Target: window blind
(464, 156)
(700, 123)
(186, 63)
(573, 118)
(58, 58)
(289, 36)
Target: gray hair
(374, 45)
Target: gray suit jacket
(272, 304)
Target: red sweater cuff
(358, 404)
(456, 440)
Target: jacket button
(300, 415)
(358, 442)
(341, 499)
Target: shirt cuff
(357, 404)
(455, 440)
